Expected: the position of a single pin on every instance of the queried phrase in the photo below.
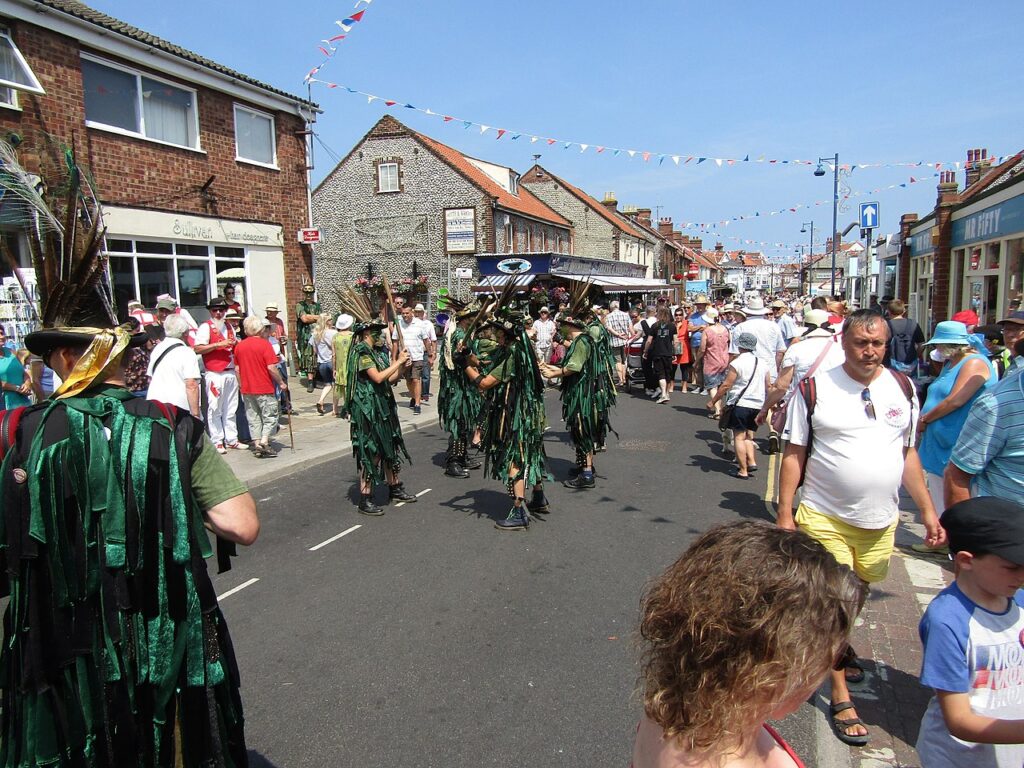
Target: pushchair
(634, 363)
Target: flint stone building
(403, 204)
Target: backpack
(901, 342)
(809, 392)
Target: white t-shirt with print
(747, 366)
(855, 467)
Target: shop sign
(693, 272)
(1000, 220)
(921, 243)
(463, 273)
(514, 266)
(460, 230)
(309, 236)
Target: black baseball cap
(986, 525)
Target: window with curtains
(120, 99)
(15, 73)
(254, 137)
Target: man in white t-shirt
(544, 326)
(415, 338)
(431, 350)
(854, 452)
(770, 344)
(174, 368)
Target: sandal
(854, 672)
(320, 409)
(736, 473)
(839, 725)
(751, 467)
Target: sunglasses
(869, 407)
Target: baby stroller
(634, 363)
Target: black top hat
(217, 302)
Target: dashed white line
(403, 503)
(239, 588)
(334, 538)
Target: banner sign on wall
(460, 230)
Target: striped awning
(491, 283)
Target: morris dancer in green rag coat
(514, 422)
(459, 402)
(373, 415)
(115, 652)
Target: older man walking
(851, 438)
(620, 332)
(174, 368)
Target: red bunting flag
(448, 118)
(501, 132)
(336, 38)
(390, 103)
(551, 141)
(358, 16)
(647, 156)
(599, 150)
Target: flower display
(410, 284)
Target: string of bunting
(330, 44)
(679, 159)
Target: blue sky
(877, 82)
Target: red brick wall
(139, 173)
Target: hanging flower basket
(408, 285)
(369, 285)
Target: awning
(616, 284)
(491, 283)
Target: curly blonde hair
(749, 616)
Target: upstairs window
(255, 140)
(387, 177)
(513, 182)
(119, 99)
(15, 73)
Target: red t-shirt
(253, 356)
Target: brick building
(968, 252)
(402, 204)
(201, 170)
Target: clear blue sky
(875, 81)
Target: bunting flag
(677, 157)
(346, 26)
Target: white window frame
(35, 86)
(513, 183)
(273, 136)
(140, 111)
(380, 177)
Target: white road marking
(403, 503)
(239, 588)
(334, 538)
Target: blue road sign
(868, 215)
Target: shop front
(922, 273)
(193, 258)
(546, 277)
(987, 266)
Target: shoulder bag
(782, 407)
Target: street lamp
(820, 171)
(810, 254)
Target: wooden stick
(394, 312)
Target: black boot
(517, 520)
(367, 507)
(583, 480)
(397, 492)
(471, 463)
(454, 468)
(538, 504)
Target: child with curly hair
(739, 630)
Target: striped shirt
(991, 444)
(618, 322)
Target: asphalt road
(428, 638)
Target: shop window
(15, 72)
(127, 101)
(255, 140)
(1014, 275)
(119, 246)
(122, 273)
(388, 177)
(156, 276)
(145, 246)
(992, 256)
(188, 249)
(193, 283)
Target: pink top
(716, 354)
(797, 762)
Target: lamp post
(819, 171)
(810, 254)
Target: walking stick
(394, 311)
(291, 415)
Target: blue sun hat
(950, 332)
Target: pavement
(890, 700)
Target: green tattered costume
(116, 652)
(374, 426)
(459, 403)
(303, 333)
(513, 430)
(580, 401)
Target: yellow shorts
(866, 551)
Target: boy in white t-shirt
(973, 636)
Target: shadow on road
(748, 505)
(486, 503)
(256, 760)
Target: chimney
(643, 215)
(665, 227)
(947, 183)
(719, 248)
(610, 201)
